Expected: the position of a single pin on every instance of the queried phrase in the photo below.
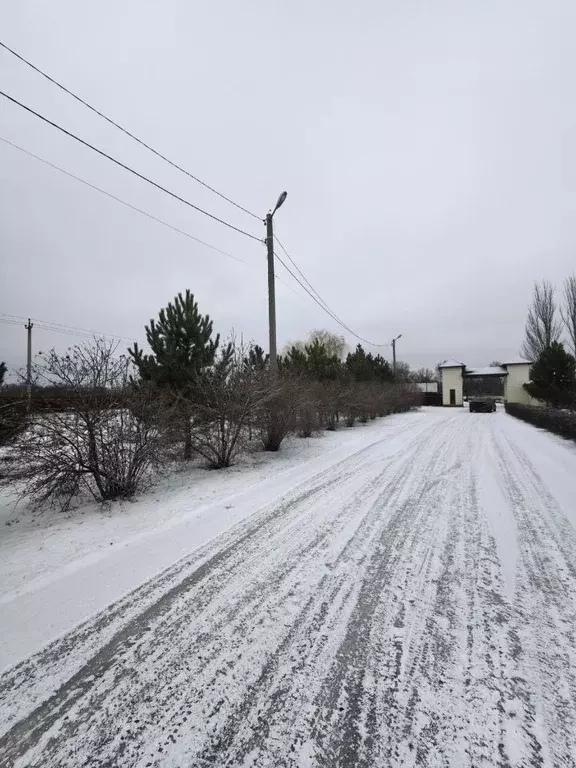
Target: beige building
(515, 373)
(518, 375)
(452, 382)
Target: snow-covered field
(402, 594)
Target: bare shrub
(331, 401)
(230, 397)
(105, 445)
(279, 416)
(307, 415)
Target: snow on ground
(398, 595)
(58, 569)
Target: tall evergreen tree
(181, 343)
(295, 360)
(553, 377)
(360, 365)
(2, 372)
(364, 367)
(382, 370)
(321, 365)
(183, 351)
(256, 359)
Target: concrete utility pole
(271, 294)
(29, 327)
(271, 284)
(394, 353)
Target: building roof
(452, 364)
(486, 371)
(517, 361)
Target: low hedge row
(553, 419)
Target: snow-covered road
(413, 603)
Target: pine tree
(2, 372)
(183, 351)
(553, 377)
(295, 361)
(360, 365)
(256, 359)
(382, 370)
(321, 365)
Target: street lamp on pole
(271, 285)
(394, 353)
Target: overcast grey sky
(428, 150)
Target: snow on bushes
(561, 422)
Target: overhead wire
(128, 168)
(125, 131)
(71, 330)
(320, 299)
(140, 210)
(310, 290)
(123, 202)
(315, 296)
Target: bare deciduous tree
(568, 311)
(438, 371)
(332, 343)
(422, 376)
(402, 372)
(542, 327)
(105, 443)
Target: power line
(314, 295)
(314, 291)
(325, 309)
(319, 300)
(119, 200)
(87, 334)
(127, 167)
(71, 330)
(139, 210)
(125, 131)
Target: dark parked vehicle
(482, 405)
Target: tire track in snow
(381, 636)
(411, 663)
(309, 643)
(347, 733)
(217, 568)
(545, 626)
(24, 682)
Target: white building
(452, 382)
(516, 373)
